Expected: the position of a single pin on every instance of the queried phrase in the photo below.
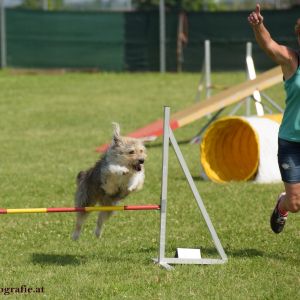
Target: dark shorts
(289, 160)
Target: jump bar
(77, 209)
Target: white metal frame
(162, 260)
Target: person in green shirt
(289, 131)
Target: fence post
(45, 4)
(207, 68)
(2, 34)
(162, 35)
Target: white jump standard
(162, 260)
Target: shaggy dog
(118, 173)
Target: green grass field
(50, 127)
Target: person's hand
(255, 18)
(297, 26)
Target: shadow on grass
(57, 259)
(195, 178)
(133, 256)
(198, 178)
(242, 253)
(47, 259)
(249, 253)
(259, 253)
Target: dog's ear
(116, 134)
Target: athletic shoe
(278, 220)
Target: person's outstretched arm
(280, 54)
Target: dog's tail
(81, 195)
(80, 177)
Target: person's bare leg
(291, 200)
(287, 202)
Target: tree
(188, 5)
(38, 4)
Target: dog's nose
(141, 161)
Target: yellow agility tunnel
(241, 149)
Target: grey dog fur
(115, 175)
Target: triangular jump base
(165, 262)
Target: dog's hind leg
(102, 217)
(80, 218)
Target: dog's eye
(131, 152)
(141, 151)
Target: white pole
(164, 189)
(277, 4)
(207, 68)
(45, 4)
(162, 30)
(206, 73)
(251, 75)
(2, 34)
(248, 54)
(129, 4)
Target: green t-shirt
(290, 127)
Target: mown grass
(50, 127)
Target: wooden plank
(214, 103)
(228, 97)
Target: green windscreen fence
(129, 41)
(142, 41)
(228, 33)
(65, 39)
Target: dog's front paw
(132, 188)
(123, 171)
(118, 170)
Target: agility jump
(162, 260)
